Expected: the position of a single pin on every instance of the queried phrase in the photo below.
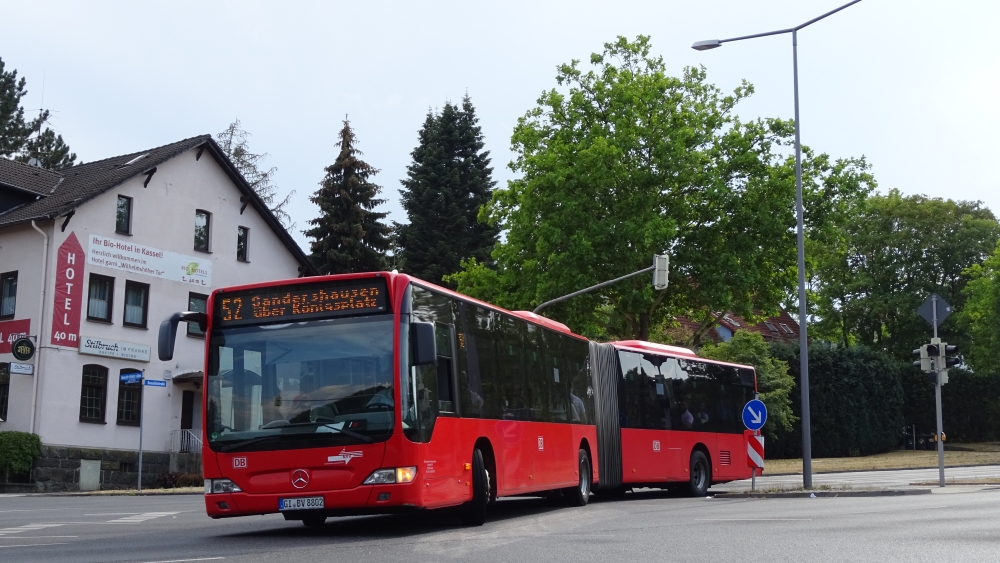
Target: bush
(856, 402)
(18, 450)
(190, 480)
(970, 405)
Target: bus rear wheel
(475, 510)
(580, 494)
(701, 474)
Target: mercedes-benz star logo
(300, 478)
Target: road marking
(137, 518)
(185, 560)
(38, 537)
(114, 514)
(753, 519)
(26, 528)
(32, 544)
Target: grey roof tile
(84, 182)
(32, 179)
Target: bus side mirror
(423, 344)
(168, 332)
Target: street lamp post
(803, 339)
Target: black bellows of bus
(604, 371)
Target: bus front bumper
(366, 499)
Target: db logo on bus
(343, 457)
(239, 463)
(656, 445)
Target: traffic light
(924, 363)
(948, 356)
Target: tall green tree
(624, 161)
(774, 383)
(348, 236)
(893, 252)
(24, 140)
(14, 130)
(981, 313)
(446, 185)
(49, 149)
(235, 142)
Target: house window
(242, 242)
(202, 230)
(100, 297)
(4, 389)
(785, 328)
(770, 326)
(123, 220)
(129, 401)
(8, 294)
(196, 302)
(136, 304)
(93, 393)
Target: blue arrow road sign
(754, 415)
(155, 383)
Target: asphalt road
(644, 526)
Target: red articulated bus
(378, 393)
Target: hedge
(856, 402)
(970, 405)
(18, 450)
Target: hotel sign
(114, 349)
(148, 261)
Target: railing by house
(185, 441)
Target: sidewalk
(891, 479)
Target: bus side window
(446, 397)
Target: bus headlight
(392, 475)
(219, 486)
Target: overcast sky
(911, 85)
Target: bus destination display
(301, 302)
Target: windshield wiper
(241, 443)
(324, 422)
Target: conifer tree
(49, 149)
(16, 140)
(235, 142)
(348, 235)
(447, 183)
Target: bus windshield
(300, 385)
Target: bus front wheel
(701, 474)
(475, 510)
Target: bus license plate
(304, 503)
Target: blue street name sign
(131, 377)
(155, 383)
(754, 415)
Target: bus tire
(700, 475)
(475, 510)
(580, 494)
(314, 521)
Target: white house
(92, 258)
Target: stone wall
(58, 468)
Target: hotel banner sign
(114, 349)
(11, 331)
(139, 259)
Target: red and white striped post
(755, 455)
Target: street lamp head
(706, 45)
